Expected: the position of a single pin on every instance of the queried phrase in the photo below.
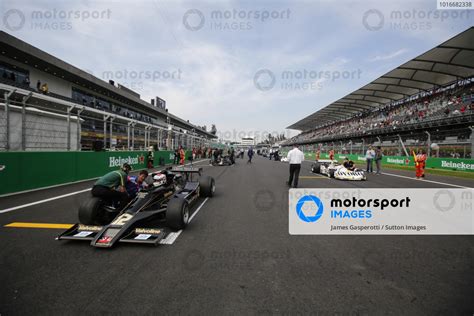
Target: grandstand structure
(426, 100)
(78, 111)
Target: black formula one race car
(167, 199)
(221, 161)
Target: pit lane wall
(33, 170)
(466, 165)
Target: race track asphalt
(235, 257)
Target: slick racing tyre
(91, 211)
(177, 213)
(207, 186)
(316, 168)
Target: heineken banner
(21, 171)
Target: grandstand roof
(447, 62)
(16, 49)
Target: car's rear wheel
(316, 168)
(177, 213)
(207, 186)
(91, 210)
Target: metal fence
(47, 126)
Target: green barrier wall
(33, 170)
(436, 163)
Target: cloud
(388, 56)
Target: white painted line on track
(43, 201)
(430, 181)
(171, 238)
(198, 209)
(62, 196)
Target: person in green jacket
(112, 186)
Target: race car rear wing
(185, 169)
(188, 172)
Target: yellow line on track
(313, 177)
(39, 225)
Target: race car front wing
(120, 230)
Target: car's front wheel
(177, 213)
(91, 211)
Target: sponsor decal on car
(105, 240)
(151, 231)
(142, 195)
(143, 237)
(83, 234)
(122, 219)
(89, 228)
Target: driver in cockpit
(348, 164)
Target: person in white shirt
(369, 156)
(295, 157)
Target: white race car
(333, 169)
(284, 159)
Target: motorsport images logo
(387, 211)
(309, 208)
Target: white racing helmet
(159, 179)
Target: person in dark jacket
(150, 160)
(135, 184)
(250, 155)
(378, 159)
(232, 156)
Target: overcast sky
(249, 67)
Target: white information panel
(381, 211)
